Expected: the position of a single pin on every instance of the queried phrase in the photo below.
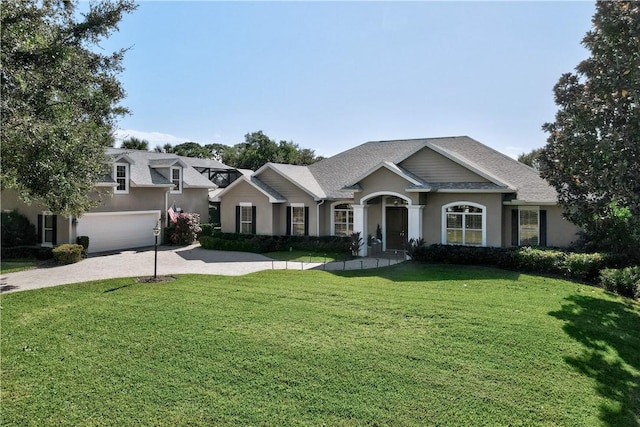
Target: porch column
(415, 222)
(360, 225)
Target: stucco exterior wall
(138, 199)
(560, 232)
(244, 192)
(387, 181)
(11, 202)
(432, 220)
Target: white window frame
(246, 206)
(295, 206)
(350, 217)
(126, 177)
(43, 241)
(459, 203)
(528, 209)
(177, 189)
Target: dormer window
(121, 175)
(176, 179)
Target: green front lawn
(19, 264)
(405, 345)
(302, 256)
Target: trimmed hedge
(37, 252)
(262, 244)
(623, 281)
(594, 268)
(67, 253)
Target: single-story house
(451, 190)
(137, 193)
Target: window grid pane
(529, 226)
(297, 220)
(464, 225)
(343, 220)
(246, 219)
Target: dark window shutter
(543, 228)
(237, 219)
(253, 219)
(306, 220)
(288, 220)
(54, 232)
(514, 227)
(40, 235)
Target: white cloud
(154, 138)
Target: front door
(397, 223)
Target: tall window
(343, 220)
(246, 219)
(464, 224)
(176, 179)
(529, 227)
(297, 220)
(121, 173)
(47, 229)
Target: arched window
(342, 220)
(464, 223)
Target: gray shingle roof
(300, 176)
(143, 172)
(343, 169)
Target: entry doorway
(397, 224)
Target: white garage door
(110, 231)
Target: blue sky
(332, 75)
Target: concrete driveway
(171, 260)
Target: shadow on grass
(410, 271)
(608, 330)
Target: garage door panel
(118, 230)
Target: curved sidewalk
(183, 260)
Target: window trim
(42, 229)
(294, 206)
(178, 189)
(243, 206)
(443, 219)
(126, 177)
(528, 208)
(334, 209)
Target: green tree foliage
(134, 143)
(192, 149)
(531, 158)
(166, 148)
(258, 149)
(60, 99)
(592, 155)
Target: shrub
(414, 247)
(186, 229)
(67, 253)
(84, 242)
(623, 281)
(262, 244)
(539, 260)
(37, 252)
(208, 229)
(585, 267)
(216, 243)
(356, 244)
(16, 230)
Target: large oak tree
(592, 156)
(60, 99)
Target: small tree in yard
(592, 156)
(186, 229)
